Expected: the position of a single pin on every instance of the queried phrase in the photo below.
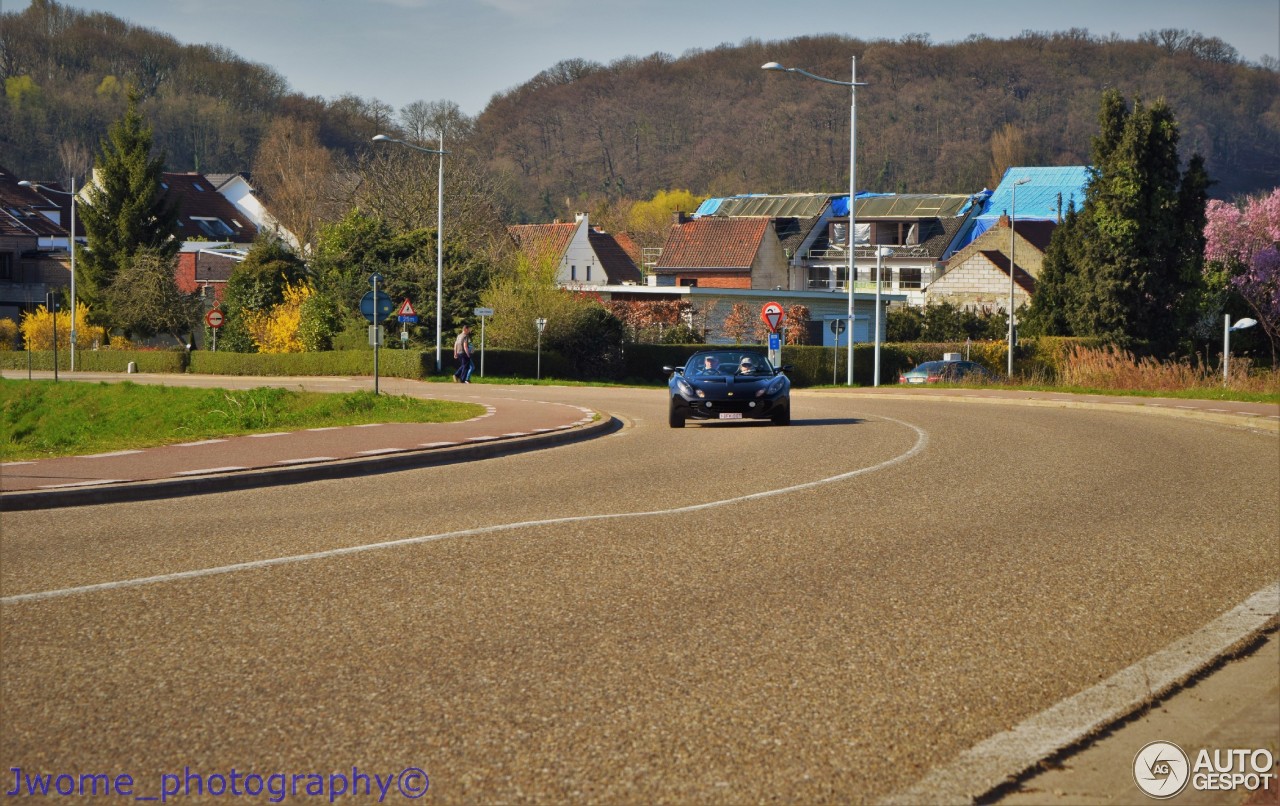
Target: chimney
(1004, 220)
(678, 217)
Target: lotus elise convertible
(729, 385)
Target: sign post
(214, 319)
(375, 331)
(838, 323)
(51, 305)
(483, 313)
(772, 314)
(542, 324)
(406, 316)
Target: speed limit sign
(214, 318)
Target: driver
(710, 365)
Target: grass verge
(42, 419)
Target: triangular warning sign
(406, 309)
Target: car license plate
(730, 415)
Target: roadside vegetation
(42, 419)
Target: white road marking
(379, 451)
(304, 461)
(922, 440)
(273, 434)
(201, 442)
(436, 444)
(107, 455)
(994, 761)
(14, 464)
(209, 470)
(369, 425)
(81, 484)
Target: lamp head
(1024, 180)
(381, 138)
(772, 66)
(26, 183)
(1244, 323)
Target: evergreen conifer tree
(1126, 267)
(126, 209)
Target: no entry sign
(214, 318)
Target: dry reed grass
(1113, 368)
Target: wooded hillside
(932, 118)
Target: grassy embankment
(40, 419)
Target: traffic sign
(837, 325)
(382, 309)
(214, 318)
(772, 315)
(483, 312)
(406, 309)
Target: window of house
(6, 266)
(213, 227)
(689, 282)
(588, 274)
(909, 278)
(573, 274)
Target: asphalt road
(720, 614)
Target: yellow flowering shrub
(8, 334)
(37, 329)
(275, 330)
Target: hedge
(1039, 358)
(158, 361)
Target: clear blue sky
(400, 51)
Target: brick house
(978, 275)
(723, 252)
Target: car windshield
(729, 362)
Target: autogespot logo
(1160, 769)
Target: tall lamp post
(881, 253)
(71, 245)
(1013, 216)
(382, 138)
(853, 172)
(1227, 330)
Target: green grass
(42, 419)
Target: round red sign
(214, 318)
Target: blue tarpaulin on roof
(1037, 200)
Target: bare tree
(294, 173)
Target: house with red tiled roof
(584, 256)
(722, 252)
(978, 275)
(33, 247)
(204, 214)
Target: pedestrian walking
(462, 353)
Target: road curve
(820, 613)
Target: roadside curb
(272, 476)
(1238, 420)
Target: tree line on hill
(1129, 267)
(587, 136)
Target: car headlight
(773, 388)
(685, 388)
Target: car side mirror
(676, 370)
(783, 368)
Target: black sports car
(729, 385)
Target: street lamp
(1013, 216)
(72, 246)
(1227, 330)
(382, 138)
(881, 253)
(853, 171)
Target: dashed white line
(201, 442)
(922, 440)
(107, 455)
(272, 434)
(437, 444)
(208, 470)
(370, 425)
(14, 464)
(481, 439)
(306, 460)
(326, 428)
(379, 451)
(92, 483)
